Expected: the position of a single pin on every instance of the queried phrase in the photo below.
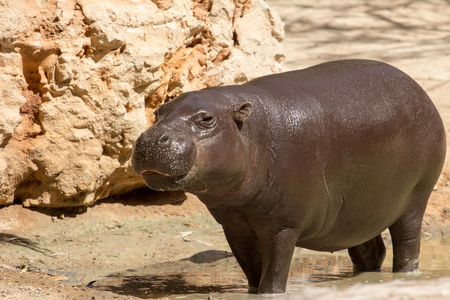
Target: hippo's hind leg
(405, 232)
(368, 256)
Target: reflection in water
(218, 272)
(203, 273)
(156, 286)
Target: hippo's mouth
(160, 174)
(161, 181)
(150, 172)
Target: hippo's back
(353, 101)
(352, 90)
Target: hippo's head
(195, 144)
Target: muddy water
(215, 274)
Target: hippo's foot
(405, 232)
(407, 266)
(406, 254)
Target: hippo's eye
(205, 121)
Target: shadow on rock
(142, 196)
(148, 197)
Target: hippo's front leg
(244, 244)
(277, 250)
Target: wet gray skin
(324, 158)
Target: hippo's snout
(163, 157)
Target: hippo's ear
(241, 112)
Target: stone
(80, 80)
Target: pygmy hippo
(324, 158)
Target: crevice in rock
(98, 53)
(109, 151)
(241, 7)
(32, 125)
(5, 141)
(224, 54)
(30, 187)
(202, 8)
(163, 4)
(194, 42)
(79, 7)
(38, 63)
(122, 48)
(235, 39)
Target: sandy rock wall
(80, 80)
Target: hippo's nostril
(164, 139)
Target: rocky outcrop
(80, 80)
